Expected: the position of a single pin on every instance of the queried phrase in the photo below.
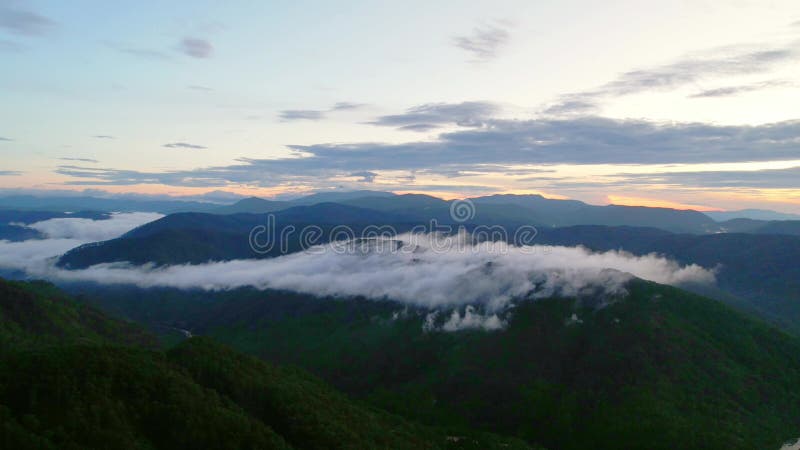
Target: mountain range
(756, 268)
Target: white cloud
(476, 282)
(37, 256)
(427, 275)
(89, 230)
(472, 320)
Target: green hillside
(69, 379)
(661, 369)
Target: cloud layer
(488, 145)
(428, 271)
(36, 257)
(730, 61)
(89, 230)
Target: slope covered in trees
(661, 368)
(70, 379)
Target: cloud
(87, 160)
(289, 115)
(144, 53)
(726, 61)
(767, 179)
(419, 127)
(729, 91)
(4, 139)
(485, 41)
(730, 61)
(342, 106)
(496, 147)
(366, 177)
(567, 107)
(24, 22)
(184, 145)
(301, 114)
(471, 320)
(9, 173)
(103, 136)
(196, 48)
(433, 115)
(428, 271)
(89, 230)
(36, 257)
(196, 87)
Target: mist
(421, 270)
(36, 256)
(89, 230)
(423, 273)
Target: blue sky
(690, 104)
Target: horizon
(468, 100)
(222, 197)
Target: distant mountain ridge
(756, 214)
(517, 209)
(752, 226)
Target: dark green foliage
(305, 411)
(115, 397)
(662, 368)
(37, 313)
(68, 380)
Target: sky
(688, 104)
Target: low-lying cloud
(471, 285)
(36, 257)
(89, 230)
(423, 274)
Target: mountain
(37, 313)
(17, 233)
(758, 269)
(336, 197)
(257, 205)
(788, 227)
(675, 220)
(560, 213)
(495, 209)
(88, 203)
(199, 237)
(28, 217)
(791, 227)
(554, 208)
(71, 378)
(659, 369)
(252, 205)
(742, 225)
(755, 214)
